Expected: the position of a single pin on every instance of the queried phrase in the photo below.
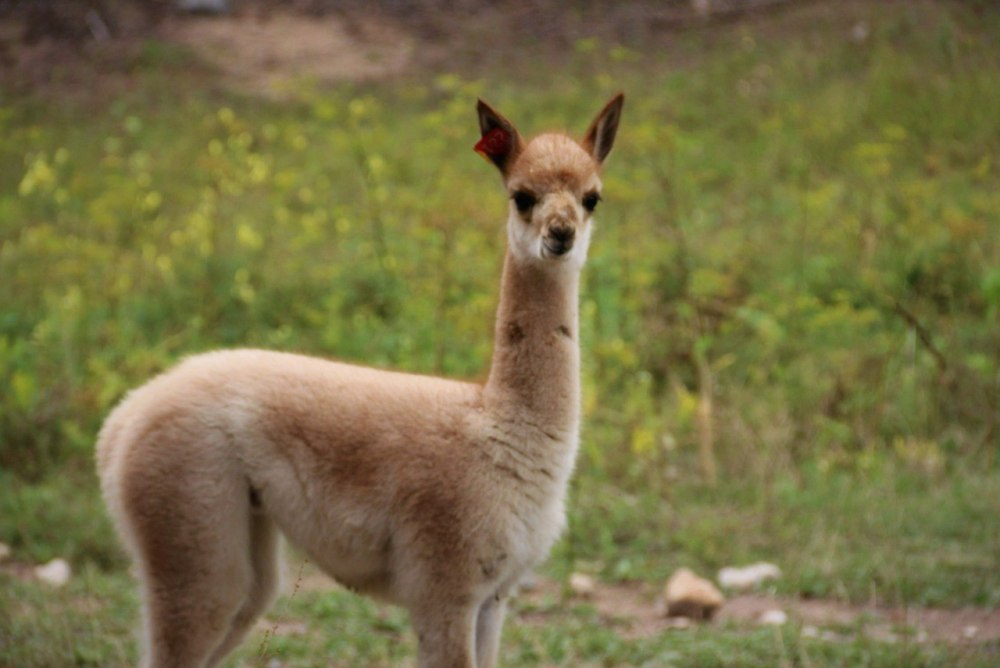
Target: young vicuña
(434, 494)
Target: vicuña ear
(500, 142)
(600, 136)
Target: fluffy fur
(434, 494)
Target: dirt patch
(260, 53)
(270, 48)
(19, 570)
(827, 618)
(268, 54)
(637, 610)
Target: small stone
(582, 584)
(970, 632)
(4, 551)
(774, 618)
(860, 32)
(688, 595)
(56, 573)
(747, 577)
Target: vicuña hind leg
(198, 549)
(264, 584)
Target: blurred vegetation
(810, 222)
(793, 290)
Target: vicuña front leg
(446, 635)
(489, 623)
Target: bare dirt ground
(259, 54)
(266, 48)
(637, 611)
(266, 54)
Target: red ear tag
(494, 144)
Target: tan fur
(435, 494)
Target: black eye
(523, 201)
(590, 201)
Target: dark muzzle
(559, 240)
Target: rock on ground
(56, 573)
(747, 577)
(688, 595)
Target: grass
(804, 219)
(891, 536)
(92, 622)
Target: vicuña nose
(559, 239)
(562, 234)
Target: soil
(266, 54)
(267, 48)
(637, 610)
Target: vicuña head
(435, 494)
(554, 183)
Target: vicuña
(435, 494)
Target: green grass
(808, 220)
(89, 623)
(888, 535)
(93, 623)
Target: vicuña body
(435, 494)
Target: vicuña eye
(523, 201)
(590, 201)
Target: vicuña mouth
(555, 248)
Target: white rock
(582, 584)
(4, 551)
(56, 573)
(860, 32)
(970, 632)
(746, 577)
(688, 595)
(774, 618)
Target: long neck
(535, 374)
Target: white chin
(546, 254)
